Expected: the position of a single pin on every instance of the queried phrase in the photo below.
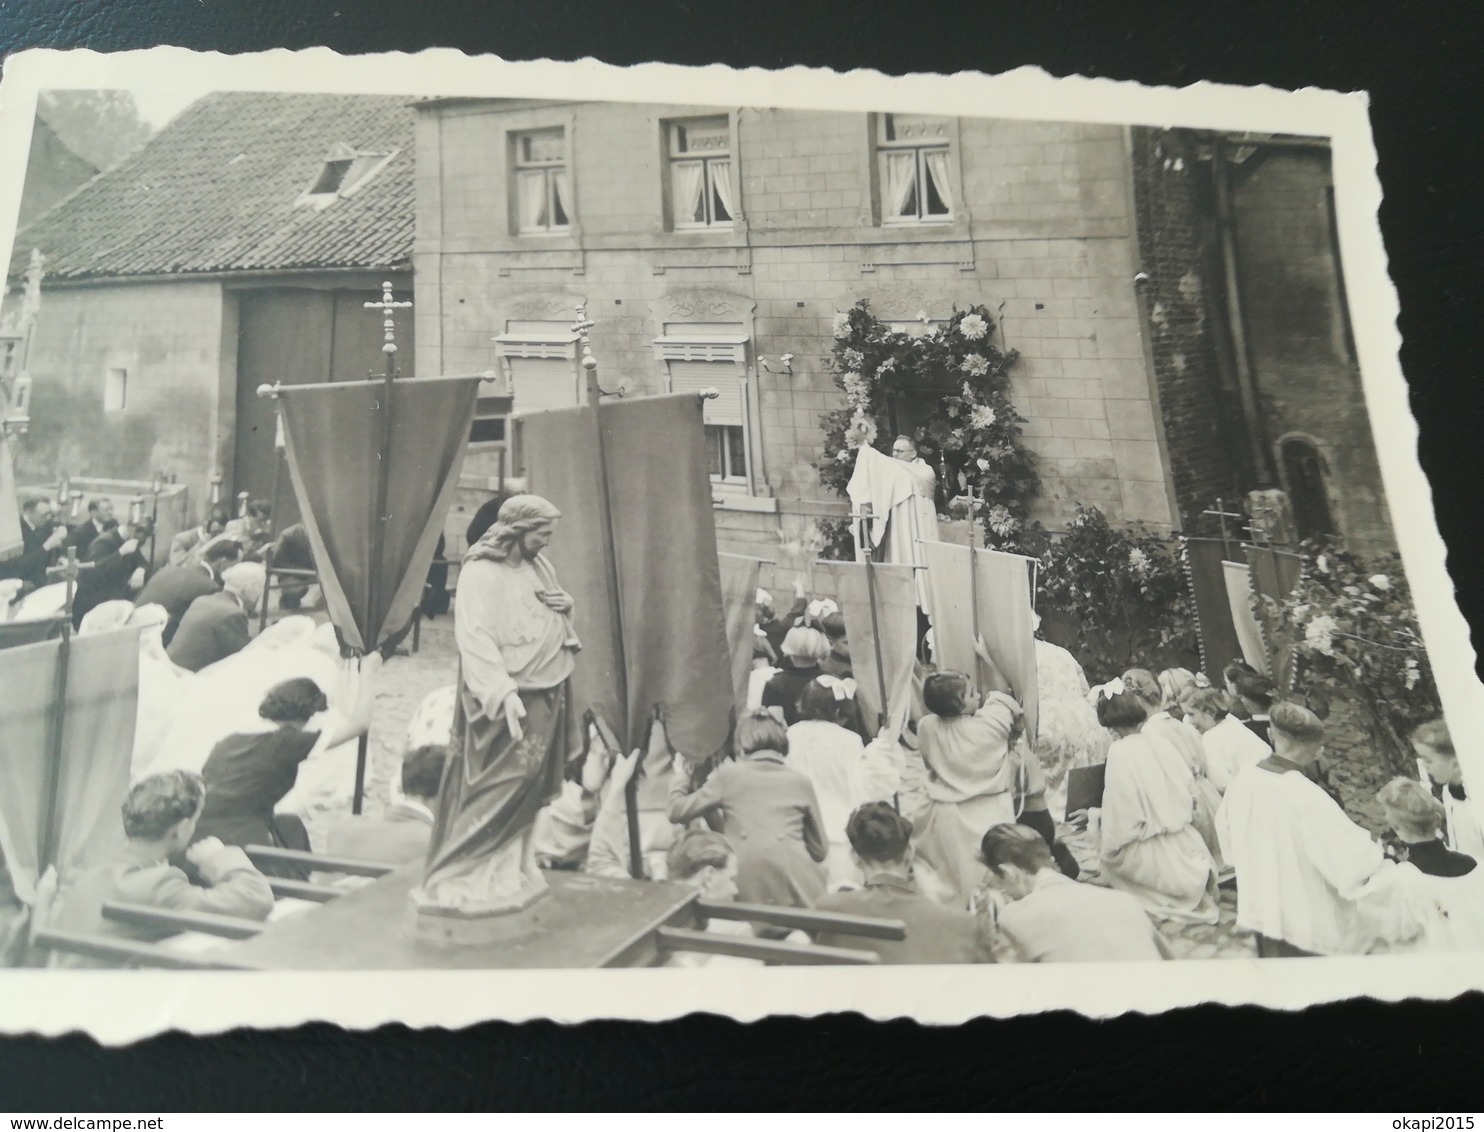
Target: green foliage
(1124, 591)
(1351, 631)
(971, 436)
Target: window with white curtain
(913, 154)
(543, 194)
(701, 182)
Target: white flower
(854, 358)
(861, 432)
(1001, 521)
(983, 464)
(974, 364)
(973, 326)
(982, 416)
(1380, 581)
(965, 392)
(922, 317)
(1322, 563)
(1414, 673)
(842, 324)
(1138, 561)
(1320, 634)
(889, 364)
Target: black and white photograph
(550, 518)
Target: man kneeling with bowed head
(881, 846)
(1050, 918)
(160, 816)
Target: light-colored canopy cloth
(903, 512)
(1147, 837)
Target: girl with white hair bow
(836, 761)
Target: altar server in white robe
(1230, 746)
(1145, 829)
(1463, 827)
(1302, 865)
(1435, 888)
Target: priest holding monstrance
(900, 492)
(514, 726)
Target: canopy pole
(866, 515)
(47, 844)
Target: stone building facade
(707, 244)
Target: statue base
(470, 927)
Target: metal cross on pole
(388, 306)
(1222, 515)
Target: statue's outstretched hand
(515, 711)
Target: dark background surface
(1421, 64)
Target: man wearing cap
(1301, 863)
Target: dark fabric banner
(645, 577)
(739, 576)
(334, 435)
(1219, 644)
(1275, 573)
(563, 464)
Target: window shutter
(692, 377)
(543, 383)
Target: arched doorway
(1304, 473)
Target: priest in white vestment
(900, 491)
(1302, 865)
(1435, 753)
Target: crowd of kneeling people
(945, 825)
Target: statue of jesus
(514, 727)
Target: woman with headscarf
(514, 728)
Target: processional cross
(388, 307)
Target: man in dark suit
(175, 587)
(100, 519)
(881, 844)
(41, 540)
(113, 559)
(216, 625)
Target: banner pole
(974, 588)
(47, 845)
(866, 514)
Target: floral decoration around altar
(947, 388)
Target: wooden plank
(129, 953)
(303, 890)
(769, 951)
(142, 915)
(318, 861)
(804, 919)
(584, 921)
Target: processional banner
(1001, 588)
(637, 552)
(739, 577)
(879, 605)
(92, 777)
(374, 491)
(1213, 614)
(11, 542)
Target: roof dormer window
(344, 171)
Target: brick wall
(1302, 359)
(1044, 231)
(168, 338)
(1200, 407)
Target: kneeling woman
(766, 809)
(247, 775)
(1145, 830)
(976, 777)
